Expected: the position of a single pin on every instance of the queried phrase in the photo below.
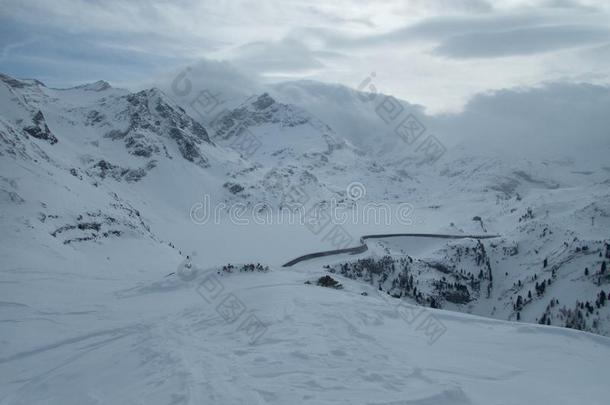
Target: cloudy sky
(438, 53)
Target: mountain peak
(100, 85)
(21, 83)
(263, 101)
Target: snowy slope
(107, 150)
(546, 267)
(97, 185)
(138, 336)
(294, 148)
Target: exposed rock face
(96, 225)
(100, 85)
(264, 101)
(20, 84)
(150, 116)
(40, 130)
(262, 110)
(104, 169)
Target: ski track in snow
(322, 346)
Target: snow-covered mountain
(101, 146)
(126, 160)
(97, 188)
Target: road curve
(363, 247)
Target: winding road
(363, 247)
